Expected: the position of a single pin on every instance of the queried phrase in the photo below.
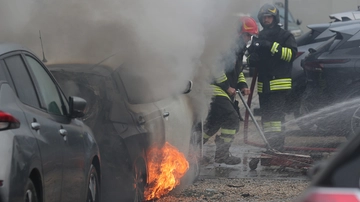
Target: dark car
(317, 35)
(336, 179)
(47, 153)
(333, 81)
(127, 119)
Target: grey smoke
(168, 41)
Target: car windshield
(138, 89)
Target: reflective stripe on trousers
(272, 126)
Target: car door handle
(63, 132)
(35, 126)
(166, 114)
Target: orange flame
(166, 167)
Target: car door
(45, 129)
(71, 130)
(146, 114)
(178, 121)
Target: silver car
(47, 154)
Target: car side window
(49, 91)
(23, 85)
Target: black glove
(265, 44)
(253, 59)
(260, 46)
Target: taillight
(7, 121)
(318, 65)
(298, 54)
(332, 195)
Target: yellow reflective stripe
(280, 84)
(274, 48)
(260, 87)
(228, 131)
(221, 79)
(241, 78)
(217, 91)
(286, 54)
(283, 54)
(272, 126)
(205, 136)
(226, 139)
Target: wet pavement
(318, 147)
(242, 170)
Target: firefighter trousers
(272, 106)
(224, 117)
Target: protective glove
(264, 45)
(253, 60)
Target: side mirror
(298, 22)
(77, 107)
(188, 87)
(311, 50)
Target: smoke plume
(168, 41)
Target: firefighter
(223, 112)
(272, 53)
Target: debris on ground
(256, 189)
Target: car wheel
(139, 179)
(93, 192)
(355, 123)
(30, 192)
(194, 156)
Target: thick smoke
(168, 41)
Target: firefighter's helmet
(248, 25)
(269, 10)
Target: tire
(93, 188)
(31, 194)
(355, 124)
(135, 180)
(194, 157)
(254, 163)
(139, 179)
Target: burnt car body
(126, 121)
(47, 153)
(336, 179)
(332, 73)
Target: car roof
(82, 68)
(346, 16)
(10, 47)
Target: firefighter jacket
(275, 59)
(234, 77)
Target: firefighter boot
(222, 153)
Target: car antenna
(42, 48)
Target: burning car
(139, 133)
